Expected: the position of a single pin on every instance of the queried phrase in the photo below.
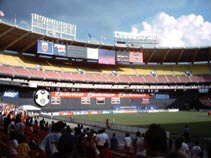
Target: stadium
(62, 76)
(162, 80)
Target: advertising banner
(99, 95)
(11, 94)
(92, 53)
(162, 96)
(77, 52)
(123, 56)
(106, 57)
(136, 56)
(59, 50)
(44, 47)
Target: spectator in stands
(91, 146)
(140, 150)
(155, 141)
(186, 132)
(23, 148)
(114, 142)
(101, 137)
(135, 141)
(107, 123)
(176, 154)
(196, 150)
(50, 142)
(19, 126)
(178, 143)
(185, 148)
(66, 144)
(7, 120)
(42, 124)
(36, 127)
(106, 152)
(127, 141)
(1, 118)
(11, 126)
(208, 148)
(13, 144)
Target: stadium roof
(22, 40)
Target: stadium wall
(25, 96)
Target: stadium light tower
(52, 27)
(135, 40)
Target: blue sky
(103, 17)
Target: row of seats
(64, 76)
(30, 62)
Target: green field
(199, 122)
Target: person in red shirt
(106, 152)
(107, 123)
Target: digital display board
(136, 56)
(122, 56)
(44, 47)
(77, 52)
(92, 53)
(106, 57)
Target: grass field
(199, 122)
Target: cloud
(185, 31)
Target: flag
(89, 35)
(1, 13)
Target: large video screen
(123, 56)
(77, 52)
(59, 50)
(106, 57)
(92, 53)
(136, 56)
(44, 47)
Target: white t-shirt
(19, 127)
(196, 148)
(13, 147)
(184, 147)
(51, 140)
(128, 141)
(102, 137)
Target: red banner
(98, 95)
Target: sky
(177, 23)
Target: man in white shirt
(102, 137)
(51, 140)
(128, 141)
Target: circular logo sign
(42, 97)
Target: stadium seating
(10, 60)
(7, 70)
(68, 68)
(143, 70)
(164, 70)
(126, 71)
(50, 66)
(180, 70)
(28, 63)
(172, 79)
(30, 68)
(138, 79)
(200, 69)
(22, 72)
(125, 79)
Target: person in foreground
(155, 141)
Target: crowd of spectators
(59, 140)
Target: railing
(113, 126)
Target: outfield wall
(162, 100)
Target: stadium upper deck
(21, 40)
